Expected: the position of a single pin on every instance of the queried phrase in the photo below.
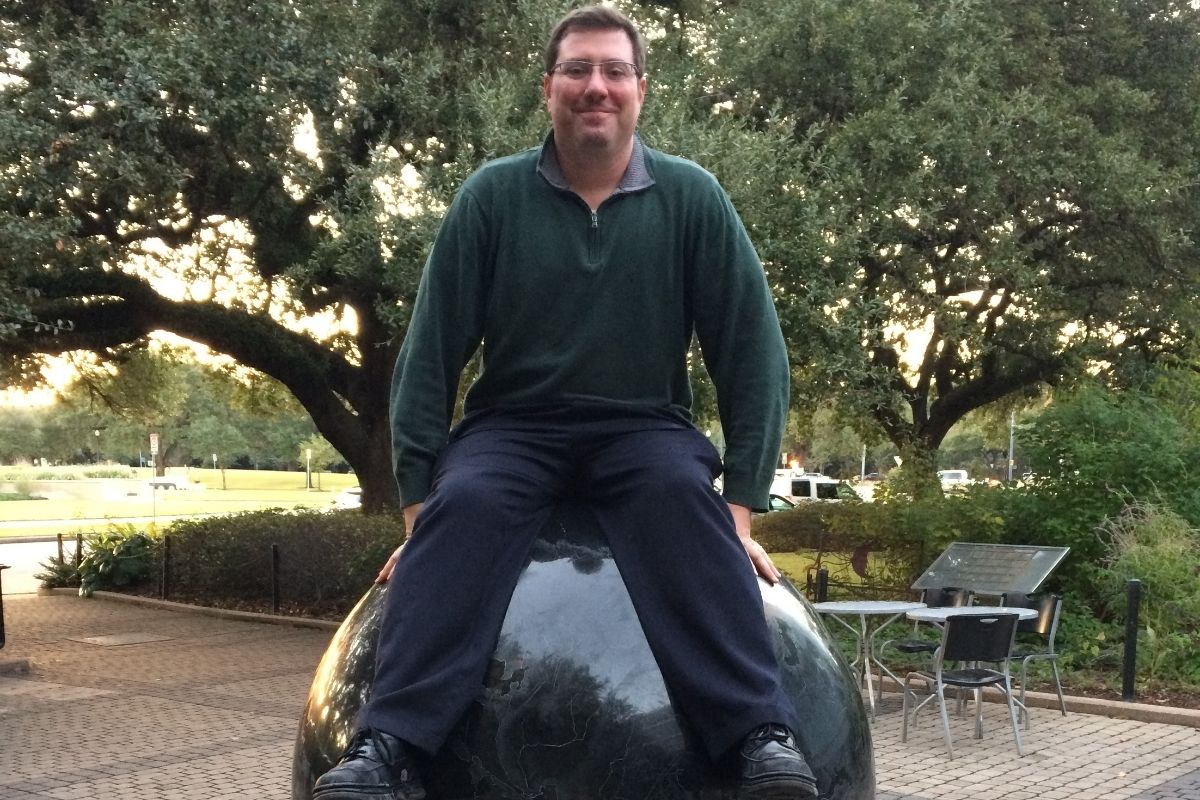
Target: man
(584, 266)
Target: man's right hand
(410, 522)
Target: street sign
(154, 444)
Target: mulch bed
(1172, 697)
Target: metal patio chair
(1035, 639)
(944, 597)
(969, 639)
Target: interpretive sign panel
(992, 568)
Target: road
(25, 559)
(53, 526)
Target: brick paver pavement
(208, 711)
(1076, 757)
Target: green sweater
(581, 307)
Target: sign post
(153, 483)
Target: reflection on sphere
(574, 707)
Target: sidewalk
(125, 702)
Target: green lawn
(795, 565)
(84, 504)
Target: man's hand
(410, 522)
(762, 562)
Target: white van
(953, 478)
(802, 486)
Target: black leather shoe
(375, 766)
(772, 768)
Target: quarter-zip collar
(637, 175)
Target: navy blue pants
(647, 477)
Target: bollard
(822, 585)
(275, 578)
(1133, 601)
(78, 550)
(165, 586)
(2, 568)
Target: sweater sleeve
(743, 349)
(443, 333)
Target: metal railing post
(165, 588)
(1133, 601)
(2, 568)
(275, 578)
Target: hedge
(326, 559)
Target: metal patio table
(891, 610)
(938, 615)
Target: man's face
(594, 113)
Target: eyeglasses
(611, 71)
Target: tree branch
(128, 309)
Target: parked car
(848, 491)
(781, 503)
(172, 482)
(953, 479)
(777, 502)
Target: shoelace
(359, 748)
(359, 745)
(777, 733)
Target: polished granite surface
(574, 706)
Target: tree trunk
(918, 470)
(373, 465)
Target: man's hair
(596, 18)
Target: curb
(1098, 706)
(1137, 712)
(222, 613)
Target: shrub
(58, 573)
(115, 558)
(886, 544)
(109, 472)
(1159, 548)
(326, 559)
(1094, 452)
(1085, 642)
(799, 528)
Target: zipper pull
(595, 221)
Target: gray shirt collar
(636, 176)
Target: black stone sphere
(574, 706)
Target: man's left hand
(762, 562)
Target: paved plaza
(142, 703)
